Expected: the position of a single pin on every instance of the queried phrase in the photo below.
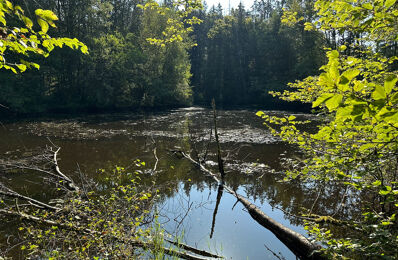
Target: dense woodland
(160, 57)
(240, 55)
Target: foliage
(356, 145)
(107, 223)
(18, 36)
(123, 71)
(178, 25)
(146, 54)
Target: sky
(234, 3)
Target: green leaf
(385, 191)
(367, 6)
(390, 83)
(43, 24)
(379, 93)
(334, 102)
(27, 22)
(291, 118)
(394, 98)
(391, 118)
(84, 49)
(343, 80)
(21, 67)
(322, 99)
(389, 3)
(351, 73)
(260, 113)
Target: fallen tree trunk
(297, 243)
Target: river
(252, 156)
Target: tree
(356, 146)
(17, 36)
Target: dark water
(252, 155)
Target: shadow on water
(186, 204)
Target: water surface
(252, 155)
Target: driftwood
(297, 243)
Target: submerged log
(301, 246)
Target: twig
(276, 255)
(13, 194)
(236, 203)
(186, 214)
(317, 197)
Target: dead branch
(192, 249)
(132, 242)
(63, 176)
(219, 157)
(275, 254)
(5, 191)
(297, 243)
(47, 157)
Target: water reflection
(190, 201)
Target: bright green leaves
(389, 83)
(334, 102)
(372, 19)
(290, 18)
(356, 142)
(28, 22)
(179, 21)
(389, 3)
(385, 191)
(322, 99)
(45, 18)
(367, 6)
(260, 114)
(349, 75)
(26, 40)
(379, 93)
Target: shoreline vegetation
(340, 58)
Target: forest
(325, 184)
(236, 57)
